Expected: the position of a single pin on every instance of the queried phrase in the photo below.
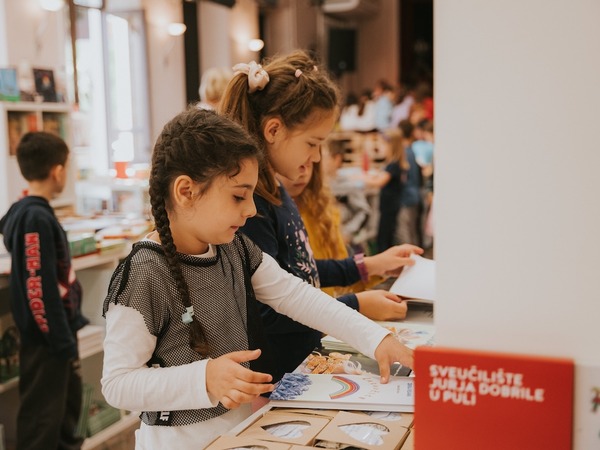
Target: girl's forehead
(318, 123)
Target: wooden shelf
(34, 106)
(82, 262)
(101, 437)
(8, 385)
(94, 333)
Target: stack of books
(101, 416)
(90, 340)
(96, 415)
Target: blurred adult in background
(390, 180)
(212, 85)
(423, 96)
(383, 95)
(358, 114)
(403, 101)
(411, 202)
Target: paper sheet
(418, 281)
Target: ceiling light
(176, 29)
(52, 5)
(256, 45)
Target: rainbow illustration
(346, 387)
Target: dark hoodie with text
(44, 292)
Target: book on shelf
(9, 87)
(362, 392)
(101, 416)
(9, 349)
(323, 360)
(464, 397)
(86, 401)
(416, 283)
(89, 339)
(19, 123)
(409, 333)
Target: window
(112, 123)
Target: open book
(344, 391)
(416, 283)
(410, 334)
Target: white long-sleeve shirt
(128, 383)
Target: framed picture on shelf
(44, 84)
(9, 88)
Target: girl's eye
(238, 198)
(311, 145)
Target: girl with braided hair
(290, 106)
(183, 336)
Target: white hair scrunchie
(257, 76)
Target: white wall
(378, 47)
(517, 221)
(32, 38)
(215, 47)
(224, 33)
(165, 63)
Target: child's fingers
(393, 297)
(244, 393)
(243, 355)
(229, 403)
(411, 248)
(247, 374)
(384, 371)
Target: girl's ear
(183, 190)
(273, 129)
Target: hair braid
(198, 341)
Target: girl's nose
(250, 210)
(316, 154)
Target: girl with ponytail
(183, 336)
(290, 105)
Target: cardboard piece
(309, 427)
(393, 418)
(328, 413)
(232, 442)
(391, 436)
(409, 443)
(493, 401)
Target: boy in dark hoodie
(45, 300)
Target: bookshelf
(16, 119)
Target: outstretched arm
(306, 304)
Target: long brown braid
(203, 146)
(297, 88)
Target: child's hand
(381, 305)
(232, 383)
(391, 261)
(391, 350)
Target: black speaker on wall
(341, 51)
